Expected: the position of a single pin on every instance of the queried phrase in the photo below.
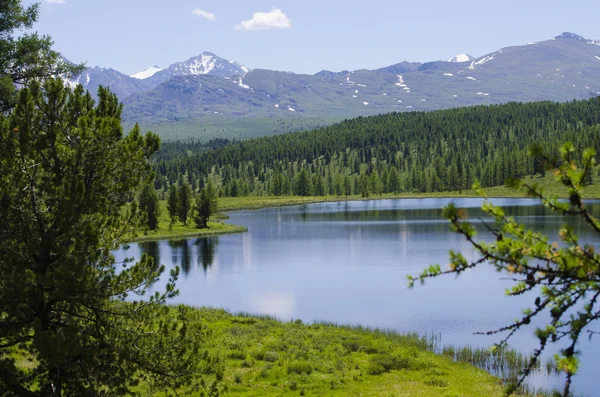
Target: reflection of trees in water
(152, 249)
(207, 248)
(180, 255)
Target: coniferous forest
(415, 152)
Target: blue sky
(303, 36)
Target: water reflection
(151, 248)
(207, 248)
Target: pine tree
(66, 171)
(173, 203)
(185, 200)
(303, 185)
(148, 202)
(206, 205)
(394, 184)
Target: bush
(246, 364)
(375, 369)
(237, 355)
(390, 362)
(259, 355)
(271, 356)
(300, 367)
(436, 382)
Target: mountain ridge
(207, 88)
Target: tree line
(415, 152)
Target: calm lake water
(347, 263)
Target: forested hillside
(399, 152)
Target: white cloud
(55, 1)
(198, 12)
(275, 19)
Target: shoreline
(223, 229)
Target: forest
(416, 152)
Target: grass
(166, 231)
(261, 356)
(550, 187)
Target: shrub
(300, 367)
(237, 355)
(259, 355)
(375, 369)
(271, 356)
(436, 382)
(390, 362)
(246, 364)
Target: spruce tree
(303, 184)
(185, 200)
(173, 203)
(206, 206)
(149, 206)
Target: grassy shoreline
(178, 231)
(263, 356)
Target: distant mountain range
(208, 88)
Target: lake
(347, 262)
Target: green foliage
(173, 203)
(563, 274)
(24, 56)
(206, 205)
(299, 367)
(185, 200)
(333, 360)
(406, 153)
(149, 206)
(86, 322)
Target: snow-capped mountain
(149, 72)
(206, 63)
(461, 58)
(207, 87)
(562, 68)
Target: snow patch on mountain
(149, 72)
(241, 84)
(484, 60)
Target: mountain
(206, 63)
(208, 89)
(121, 84)
(124, 86)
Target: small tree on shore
(185, 200)
(173, 203)
(206, 205)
